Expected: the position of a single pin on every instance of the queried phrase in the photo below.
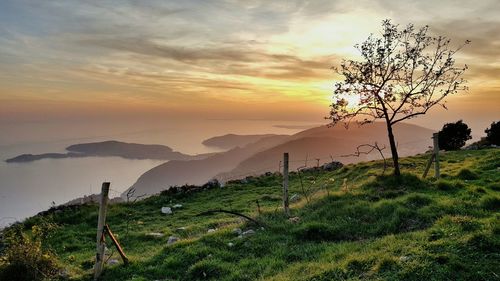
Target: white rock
(113, 261)
(166, 210)
(248, 233)
(211, 230)
(181, 228)
(176, 206)
(230, 244)
(155, 234)
(404, 258)
(172, 240)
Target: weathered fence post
(101, 221)
(435, 136)
(285, 184)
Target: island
(112, 148)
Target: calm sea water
(28, 188)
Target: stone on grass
(237, 231)
(248, 233)
(113, 261)
(404, 258)
(211, 230)
(166, 210)
(334, 165)
(176, 206)
(155, 234)
(172, 240)
(230, 244)
(294, 220)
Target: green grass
(378, 228)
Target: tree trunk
(394, 151)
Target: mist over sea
(28, 188)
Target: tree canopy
(493, 133)
(400, 74)
(454, 135)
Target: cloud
(230, 59)
(183, 51)
(484, 36)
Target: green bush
(24, 257)
(454, 135)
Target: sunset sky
(219, 59)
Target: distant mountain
(112, 148)
(199, 171)
(333, 144)
(231, 140)
(323, 143)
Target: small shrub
(25, 258)
(466, 174)
(490, 203)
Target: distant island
(112, 148)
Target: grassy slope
(378, 229)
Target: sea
(28, 188)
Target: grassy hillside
(357, 226)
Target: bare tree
(372, 147)
(401, 75)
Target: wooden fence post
(285, 184)
(101, 221)
(436, 154)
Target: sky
(230, 59)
